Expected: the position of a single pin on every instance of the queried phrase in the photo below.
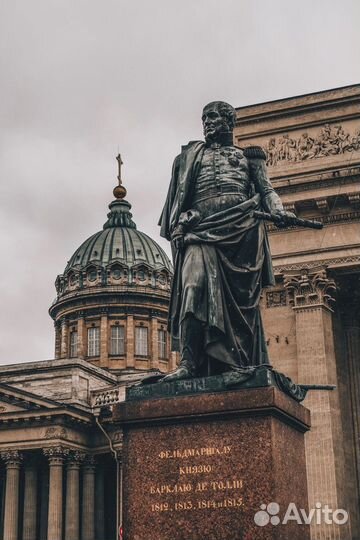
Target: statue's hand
(178, 241)
(178, 237)
(283, 218)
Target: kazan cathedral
(60, 451)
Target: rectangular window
(141, 341)
(73, 344)
(117, 340)
(162, 344)
(94, 341)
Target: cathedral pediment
(15, 400)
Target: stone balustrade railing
(105, 397)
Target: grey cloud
(81, 78)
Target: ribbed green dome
(118, 256)
(121, 242)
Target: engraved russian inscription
(201, 485)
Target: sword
(288, 221)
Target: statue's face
(214, 123)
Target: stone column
(12, 460)
(88, 500)
(82, 336)
(72, 510)
(154, 353)
(312, 295)
(30, 500)
(56, 456)
(130, 342)
(64, 338)
(100, 503)
(104, 340)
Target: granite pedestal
(199, 466)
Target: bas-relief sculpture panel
(329, 140)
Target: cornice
(353, 260)
(19, 419)
(110, 299)
(46, 366)
(282, 108)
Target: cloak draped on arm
(228, 250)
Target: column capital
(56, 454)
(310, 288)
(12, 458)
(75, 459)
(89, 462)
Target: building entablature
(305, 137)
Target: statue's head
(218, 119)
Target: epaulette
(254, 152)
(190, 143)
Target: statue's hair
(226, 110)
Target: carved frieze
(310, 288)
(55, 432)
(117, 437)
(330, 140)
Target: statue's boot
(191, 339)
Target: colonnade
(58, 499)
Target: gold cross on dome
(120, 162)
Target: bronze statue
(220, 250)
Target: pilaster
(104, 339)
(57, 328)
(154, 353)
(64, 338)
(130, 342)
(82, 337)
(312, 296)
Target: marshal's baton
(288, 220)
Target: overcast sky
(81, 79)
